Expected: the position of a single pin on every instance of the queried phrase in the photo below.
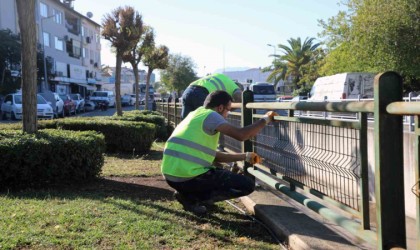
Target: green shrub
(42, 124)
(49, 157)
(146, 116)
(120, 136)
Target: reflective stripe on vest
(187, 157)
(193, 145)
(190, 151)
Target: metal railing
(328, 158)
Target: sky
(220, 34)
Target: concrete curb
(291, 225)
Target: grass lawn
(131, 207)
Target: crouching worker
(190, 152)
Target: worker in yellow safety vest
(190, 155)
(195, 94)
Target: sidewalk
(301, 228)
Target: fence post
(389, 165)
(175, 114)
(168, 114)
(417, 177)
(411, 117)
(246, 119)
(364, 183)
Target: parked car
(56, 103)
(69, 104)
(80, 102)
(133, 98)
(284, 98)
(59, 106)
(126, 100)
(90, 106)
(100, 96)
(299, 98)
(12, 107)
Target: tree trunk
(146, 99)
(27, 25)
(118, 84)
(136, 88)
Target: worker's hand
(269, 116)
(253, 158)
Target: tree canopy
(292, 64)
(135, 55)
(375, 36)
(179, 73)
(155, 58)
(123, 27)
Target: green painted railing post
(389, 168)
(246, 119)
(168, 114)
(364, 182)
(175, 114)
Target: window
(83, 31)
(46, 39)
(43, 8)
(58, 16)
(76, 49)
(97, 37)
(59, 45)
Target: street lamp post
(270, 45)
(44, 86)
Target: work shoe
(190, 206)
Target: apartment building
(71, 42)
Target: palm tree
(154, 58)
(26, 13)
(135, 55)
(278, 72)
(296, 55)
(123, 28)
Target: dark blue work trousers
(215, 185)
(193, 98)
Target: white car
(80, 102)
(12, 107)
(55, 101)
(126, 100)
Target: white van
(108, 96)
(343, 86)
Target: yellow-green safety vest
(189, 151)
(216, 82)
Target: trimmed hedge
(49, 157)
(120, 136)
(146, 116)
(42, 124)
